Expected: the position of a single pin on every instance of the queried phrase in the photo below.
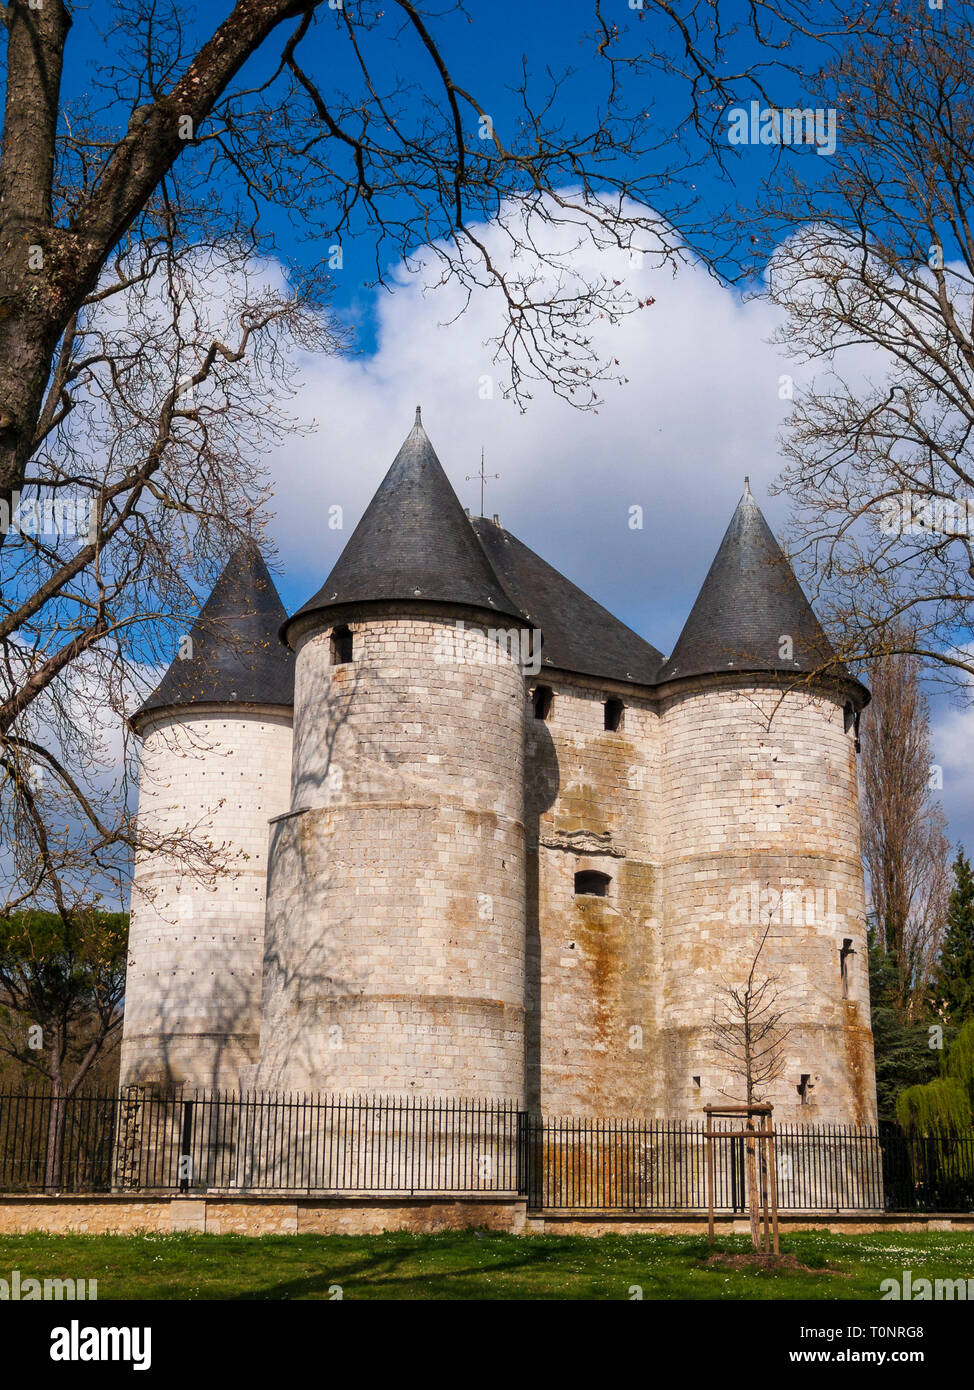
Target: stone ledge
(693, 1223)
(366, 1214)
(239, 1214)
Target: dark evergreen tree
(954, 980)
(902, 1050)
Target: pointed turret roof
(749, 602)
(413, 543)
(234, 655)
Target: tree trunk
(55, 1140)
(752, 1186)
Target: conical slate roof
(414, 542)
(750, 602)
(234, 655)
(578, 634)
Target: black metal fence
(658, 1165)
(226, 1142)
(633, 1165)
(191, 1141)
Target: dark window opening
(696, 1081)
(845, 952)
(848, 717)
(592, 883)
(543, 700)
(341, 646)
(803, 1087)
(613, 715)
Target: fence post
(710, 1179)
(523, 1155)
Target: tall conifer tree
(954, 983)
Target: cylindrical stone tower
(760, 805)
(214, 768)
(394, 956)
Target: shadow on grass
(536, 1269)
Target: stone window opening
(341, 646)
(591, 883)
(803, 1087)
(848, 716)
(613, 715)
(845, 951)
(544, 698)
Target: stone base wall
(372, 1216)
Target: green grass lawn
(472, 1265)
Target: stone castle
(482, 839)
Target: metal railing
(662, 1166)
(237, 1142)
(184, 1141)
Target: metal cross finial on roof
(483, 480)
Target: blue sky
(700, 411)
(485, 49)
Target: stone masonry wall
(593, 962)
(759, 804)
(192, 998)
(394, 955)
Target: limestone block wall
(593, 962)
(759, 803)
(192, 998)
(394, 955)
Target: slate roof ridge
(578, 633)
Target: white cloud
(952, 728)
(701, 409)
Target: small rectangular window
(613, 715)
(543, 699)
(591, 883)
(341, 646)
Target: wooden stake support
(767, 1165)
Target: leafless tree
(748, 1032)
(904, 840)
(148, 322)
(874, 269)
